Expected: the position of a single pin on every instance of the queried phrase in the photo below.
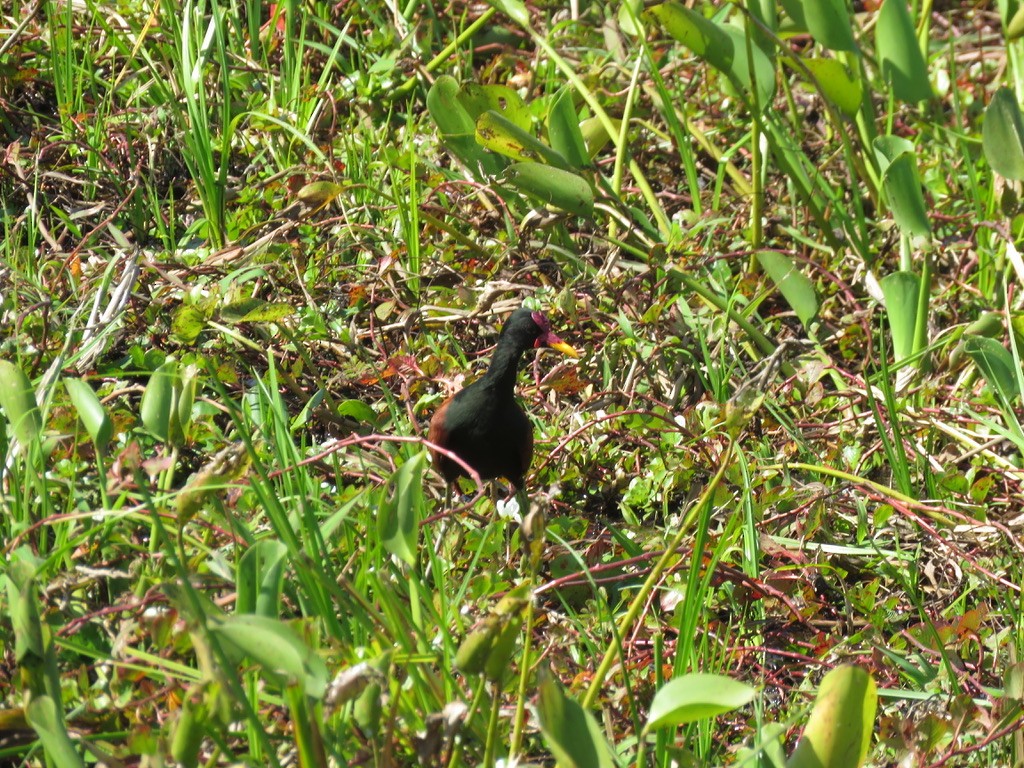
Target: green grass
(792, 441)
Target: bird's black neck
(505, 366)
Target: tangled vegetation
(249, 248)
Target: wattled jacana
(483, 424)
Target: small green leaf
(18, 400)
(898, 163)
(837, 84)
(256, 311)
(514, 9)
(158, 400)
(838, 732)
(562, 189)
(595, 136)
(358, 410)
(44, 717)
(569, 731)
(1015, 26)
(899, 53)
(723, 46)
(260, 577)
(457, 128)
(1002, 135)
(506, 138)
(901, 290)
(830, 24)
(189, 321)
(398, 520)
(276, 648)
(794, 285)
(478, 99)
(696, 697)
(564, 131)
(94, 416)
(996, 364)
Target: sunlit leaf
(94, 416)
(569, 731)
(837, 84)
(829, 23)
(838, 733)
(996, 364)
(46, 721)
(723, 46)
(898, 163)
(276, 647)
(18, 400)
(398, 519)
(794, 285)
(506, 138)
(458, 128)
(1002, 135)
(700, 696)
(901, 293)
(564, 131)
(514, 9)
(478, 99)
(899, 54)
(562, 189)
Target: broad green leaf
(94, 416)
(158, 400)
(996, 364)
(500, 135)
(794, 285)
(1015, 27)
(723, 46)
(829, 24)
(514, 9)
(629, 17)
(836, 84)
(901, 291)
(1002, 135)
(899, 54)
(255, 310)
(30, 645)
(562, 189)
(189, 321)
(478, 99)
(795, 11)
(398, 520)
(595, 136)
(260, 578)
(18, 401)
(42, 714)
(564, 131)
(458, 128)
(898, 163)
(188, 729)
(358, 410)
(184, 399)
(696, 697)
(570, 732)
(276, 648)
(838, 732)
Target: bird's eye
(541, 321)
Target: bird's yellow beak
(556, 343)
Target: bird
(483, 424)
